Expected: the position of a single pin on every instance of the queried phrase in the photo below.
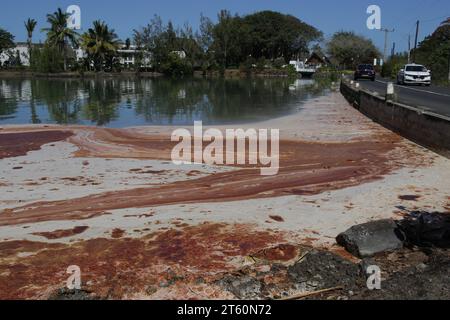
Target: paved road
(433, 99)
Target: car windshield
(365, 67)
(416, 68)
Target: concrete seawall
(425, 128)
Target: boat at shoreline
(303, 69)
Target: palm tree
(101, 44)
(30, 25)
(59, 34)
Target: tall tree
(6, 40)
(101, 44)
(275, 35)
(171, 37)
(264, 34)
(59, 34)
(150, 39)
(349, 49)
(205, 37)
(163, 40)
(222, 36)
(30, 25)
(434, 52)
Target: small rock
(243, 287)
(66, 294)
(421, 267)
(85, 163)
(365, 264)
(151, 290)
(313, 284)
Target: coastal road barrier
(423, 127)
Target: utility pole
(415, 42)
(409, 48)
(449, 67)
(386, 35)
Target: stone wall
(425, 128)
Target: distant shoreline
(76, 75)
(228, 74)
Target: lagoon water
(118, 103)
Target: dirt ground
(139, 227)
(409, 274)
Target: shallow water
(118, 103)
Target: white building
(127, 56)
(20, 50)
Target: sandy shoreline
(107, 192)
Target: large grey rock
(368, 239)
(426, 229)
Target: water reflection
(133, 102)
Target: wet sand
(133, 222)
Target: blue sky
(327, 15)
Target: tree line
(231, 42)
(259, 40)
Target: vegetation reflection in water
(134, 102)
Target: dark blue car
(365, 71)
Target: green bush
(396, 69)
(393, 66)
(279, 63)
(175, 66)
(261, 64)
(292, 72)
(247, 65)
(46, 60)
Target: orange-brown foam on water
(305, 168)
(120, 267)
(20, 143)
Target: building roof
(321, 58)
(25, 44)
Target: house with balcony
(127, 56)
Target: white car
(414, 74)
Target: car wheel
(373, 79)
